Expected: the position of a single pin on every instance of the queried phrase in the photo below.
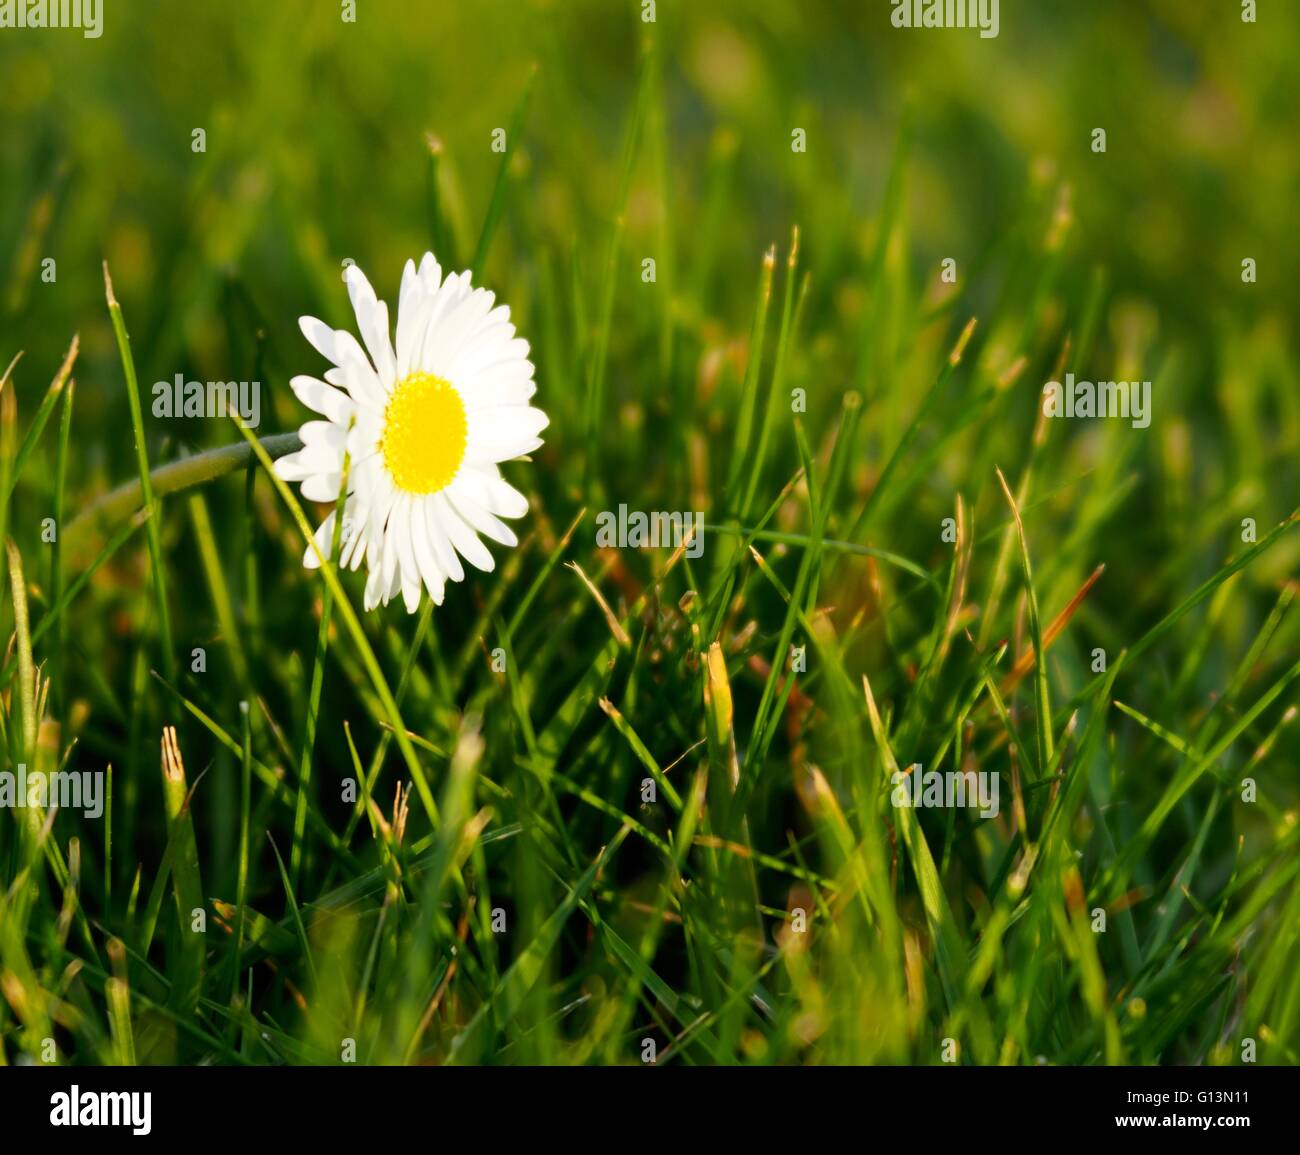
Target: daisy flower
(427, 419)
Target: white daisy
(427, 421)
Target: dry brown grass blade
(1025, 663)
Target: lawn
(844, 697)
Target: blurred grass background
(328, 141)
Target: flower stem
(123, 501)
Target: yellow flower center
(424, 433)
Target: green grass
(386, 838)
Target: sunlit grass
(386, 838)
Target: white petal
(410, 571)
(455, 289)
(430, 274)
(506, 424)
(446, 339)
(434, 579)
(372, 322)
(415, 308)
(360, 380)
(490, 490)
(486, 523)
(323, 433)
(318, 459)
(290, 467)
(320, 336)
(324, 536)
(368, 476)
(323, 399)
(490, 345)
(322, 486)
(388, 553)
(366, 542)
(490, 455)
(369, 425)
(337, 345)
(353, 551)
(374, 590)
(381, 498)
(499, 395)
(409, 299)
(502, 434)
(465, 540)
(448, 562)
